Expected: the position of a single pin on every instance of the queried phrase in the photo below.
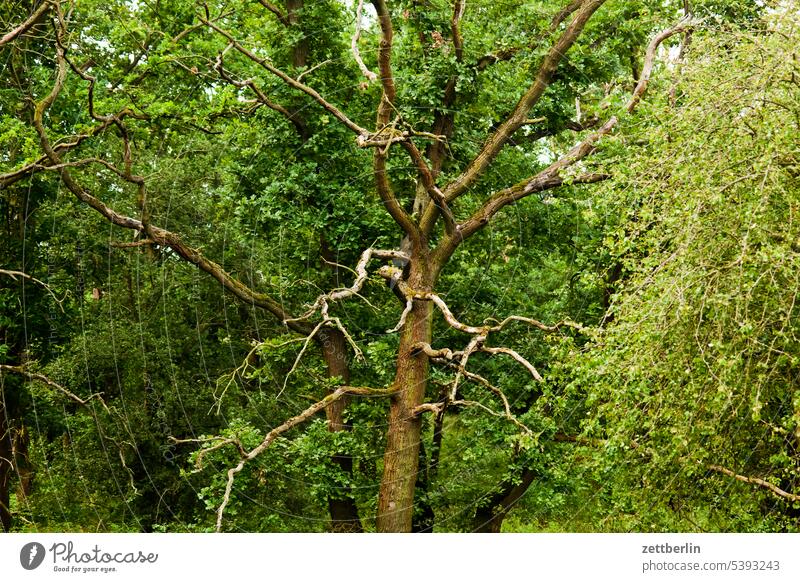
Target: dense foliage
(172, 207)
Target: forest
(400, 266)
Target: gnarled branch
(289, 424)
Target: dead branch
(447, 357)
(508, 351)
(322, 305)
(354, 45)
(23, 371)
(289, 424)
(201, 454)
(650, 56)
(14, 274)
(756, 481)
(394, 275)
(438, 407)
(323, 301)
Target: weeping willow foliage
(698, 365)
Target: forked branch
(495, 142)
(552, 176)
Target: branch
(497, 140)
(22, 28)
(528, 366)
(294, 83)
(276, 11)
(429, 182)
(21, 370)
(509, 53)
(158, 235)
(44, 162)
(756, 481)
(291, 423)
(479, 333)
(130, 245)
(564, 13)
(455, 28)
(299, 124)
(649, 60)
(15, 274)
(551, 177)
(322, 304)
(201, 454)
(385, 108)
(438, 407)
(385, 61)
(354, 45)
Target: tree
(694, 379)
(179, 118)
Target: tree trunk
(300, 48)
(22, 463)
(343, 510)
(489, 517)
(423, 519)
(6, 466)
(401, 458)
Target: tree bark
(489, 517)
(343, 510)
(423, 519)
(6, 467)
(22, 463)
(401, 458)
(300, 48)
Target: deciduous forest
(399, 265)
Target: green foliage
(699, 365)
(695, 362)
